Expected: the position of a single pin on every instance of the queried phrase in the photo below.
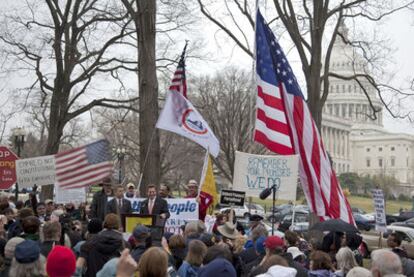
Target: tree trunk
(55, 133)
(148, 92)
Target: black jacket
(248, 255)
(112, 206)
(160, 207)
(137, 252)
(98, 206)
(101, 248)
(46, 247)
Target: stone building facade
(355, 139)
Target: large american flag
(285, 125)
(179, 82)
(83, 166)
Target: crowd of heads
(47, 239)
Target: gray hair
(259, 231)
(359, 272)
(194, 227)
(385, 262)
(345, 259)
(37, 268)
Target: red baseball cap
(273, 242)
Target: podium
(154, 222)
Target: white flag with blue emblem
(179, 116)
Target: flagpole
(253, 93)
(204, 171)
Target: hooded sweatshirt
(279, 271)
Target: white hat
(295, 252)
(130, 185)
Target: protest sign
(75, 195)
(7, 167)
(39, 171)
(182, 210)
(379, 205)
(253, 173)
(232, 197)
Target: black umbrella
(335, 225)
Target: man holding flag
(207, 193)
(180, 116)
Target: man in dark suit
(100, 200)
(119, 205)
(154, 205)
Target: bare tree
(309, 24)
(226, 104)
(67, 48)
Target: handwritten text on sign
(39, 171)
(253, 173)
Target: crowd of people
(49, 239)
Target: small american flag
(83, 166)
(179, 82)
(285, 125)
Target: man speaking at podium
(154, 205)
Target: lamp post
(120, 154)
(18, 134)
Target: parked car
(285, 209)
(407, 223)
(363, 222)
(301, 222)
(357, 210)
(406, 215)
(371, 241)
(247, 210)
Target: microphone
(265, 193)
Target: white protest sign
(182, 210)
(253, 173)
(379, 205)
(75, 195)
(39, 171)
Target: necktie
(151, 205)
(120, 204)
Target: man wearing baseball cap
(192, 192)
(275, 245)
(140, 236)
(130, 193)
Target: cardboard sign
(253, 173)
(379, 205)
(232, 197)
(64, 196)
(40, 171)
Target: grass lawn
(391, 206)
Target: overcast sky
(222, 52)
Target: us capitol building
(356, 142)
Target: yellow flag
(208, 189)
